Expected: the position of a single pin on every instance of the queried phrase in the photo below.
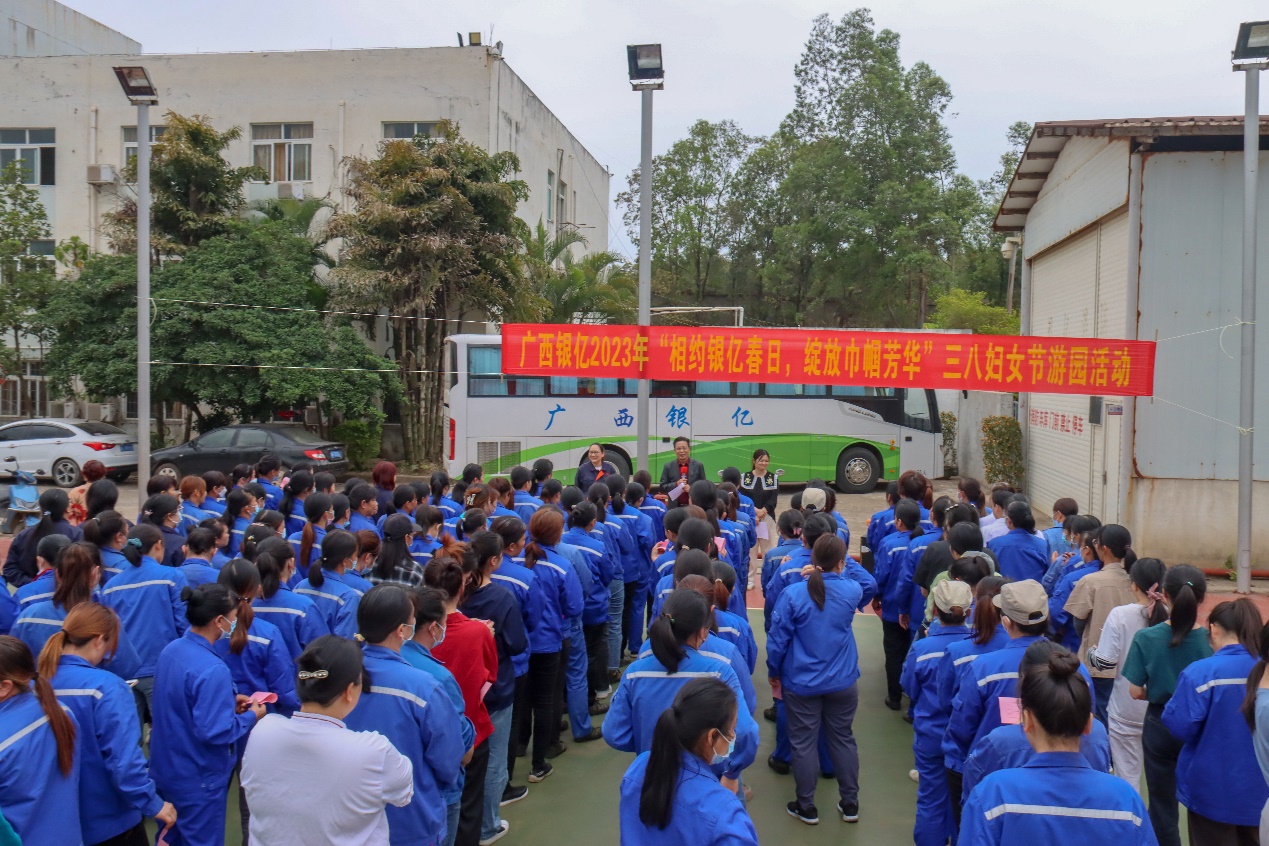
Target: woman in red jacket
(469, 652)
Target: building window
(410, 129)
(32, 400)
(561, 203)
(550, 194)
(32, 149)
(130, 141)
(41, 247)
(283, 150)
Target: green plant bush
(950, 463)
(362, 439)
(1002, 451)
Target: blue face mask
(233, 625)
(731, 748)
(440, 639)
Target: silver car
(56, 448)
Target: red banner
(1004, 363)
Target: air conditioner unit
(102, 174)
(102, 411)
(290, 190)
(68, 409)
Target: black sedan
(221, 449)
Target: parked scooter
(21, 502)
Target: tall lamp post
(1251, 54)
(140, 92)
(646, 75)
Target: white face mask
(731, 748)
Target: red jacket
(469, 652)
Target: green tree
(240, 362)
(598, 287)
(961, 309)
(433, 237)
(195, 191)
(25, 279)
(692, 186)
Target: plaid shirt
(407, 574)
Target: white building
(301, 113)
(1133, 229)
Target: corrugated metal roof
(1048, 139)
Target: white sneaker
(604, 694)
(502, 832)
(914, 775)
(750, 584)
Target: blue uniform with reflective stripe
(704, 811)
(772, 558)
(647, 689)
(295, 539)
(655, 511)
(916, 549)
(1055, 537)
(263, 665)
(37, 590)
(112, 563)
(599, 568)
(272, 494)
(39, 802)
(147, 599)
(412, 710)
(194, 737)
(8, 607)
(236, 536)
(736, 630)
(115, 789)
(716, 647)
(523, 584)
(961, 654)
(888, 558)
(1020, 555)
(790, 573)
(934, 820)
(42, 620)
(1007, 748)
(526, 505)
(1059, 617)
(198, 571)
(448, 507)
(561, 601)
(811, 650)
(336, 602)
(1057, 798)
(296, 617)
(420, 657)
(1217, 774)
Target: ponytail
(1147, 574)
(243, 581)
(270, 561)
(471, 520)
(86, 622)
(300, 483)
(617, 489)
(702, 705)
(1117, 539)
(683, 615)
(908, 512)
(17, 665)
(437, 484)
(986, 615)
(546, 527)
(1186, 587)
(141, 540)
(828, 554)
(104, 528)
(337, 547)
(74, 575)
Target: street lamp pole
(646, 75)
(1250, 55)
(140, 91)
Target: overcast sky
(1027, 60)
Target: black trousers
(560, 706)
(520, 722)
(597, 658)
(472, 805)
(1160, 751)
(895, 641)
(134, 836)
(1208, 832)
(544, 672)
(955, 785)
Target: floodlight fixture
(137, 86)
(645, 62)
(1252, 47)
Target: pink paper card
(263, 697)
(484, 688)
(1010, 710)
(762, 530)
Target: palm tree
(597, 288)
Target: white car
(56, 449)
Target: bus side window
(916, 410)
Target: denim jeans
(496, 775)
(576, 675)
(451, 822)
(616, 606)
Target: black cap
(399, 525)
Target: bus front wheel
(858, 470)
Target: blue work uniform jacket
(173, 547)
(916, 549)
(1055, 537)
(723, 650)
(664, 565)
(236, 536)
(888, 559)
(295, 520)
(704, 812)
(647, 688)
(215, 507)
(420, 657)
(296, 617)
(336, 601)
(1059, 567)
(811, 650)
(147, 599)
(599, 568)
(412, 710)
(1007, 748)
(422, 548)
(920, 680)
(790, 573)
(198, 571)
(272, 494)
(843, 529)
(736, 630)
(877, 527)
(448, 507)
(264, 665)
(191, 516)
(1217, 774)
(39, 802)
(1059, 618)
(193, 742)
(637, 563)
(515, 577)
(1057, 798)
(561, 601)
(36, 624)
(112, 563)
(1020, 555)
(8, 608)
(115, 789)
(655, 511)
(296, 539)
(610, 531)
(975, 708)
(961, 654)
(772, 557)
(496, 602)
(358, 522)
(526, 505)
(37, 590)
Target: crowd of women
(263, 628)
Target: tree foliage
(962, 309)
(596, 288)
(434, 237)
(851, 214)
(217, 360)
(25, 279)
